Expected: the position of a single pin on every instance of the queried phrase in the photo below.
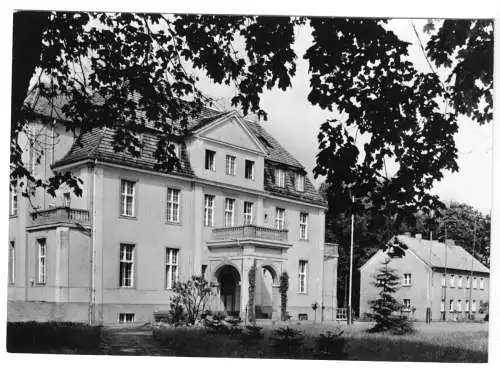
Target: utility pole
(349, 307)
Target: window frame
(246, 214)
(132, 262)
(407, 279)
(210, 159)
(227, 211)
(252, 169)
(279, 223)
(452, 280)
(280, 177)
(14, 204)
(459, 306)
(300, 182)
(125, 316)
(207, 209)
(406, 308)
(123, 194)
(474, 283)
(481, 283)
(171, 203)
(474, 306)
(451, 306)
(230, 165)
(170, 281)
(41, 276)
(302, 285)
(304, 224)
(460, 282)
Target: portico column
(247, 261)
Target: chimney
(449, 242)
(418, 236)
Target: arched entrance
(265, 294)
(229, 289)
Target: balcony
(59, 215)
(249, 234)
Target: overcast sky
(295, 123)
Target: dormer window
(299, 182)
(279, 176)
(210, 160)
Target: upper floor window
(127, 265)
(474, 283)
(452, 281)
(230, 165)
(303, 225)
(299, 178)
(42, 260)
(443, 280)
(127, 207)
(173, 205)
(451, 305)
(249, 169)
(407, 279)
(171, 267)
(280, 177)
(247, 213)
(302, 276)
(210, 160)
(459, 282)
(67, 199)
(280, 218)
(467, 284)
(481, 283)
(406, 305)
(229, 213)
(209, 210)
(13, 203)
(12, 262)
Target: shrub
(40, 337)
(251, 293)
(330, 345)
(286, 340)
(251, 333)
(283, 295)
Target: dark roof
(98, 144)
(434, 254)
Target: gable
(231, 131)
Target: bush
(330, 345)
(57, 337)
(286, 340)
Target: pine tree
(386, 309)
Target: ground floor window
(126, 317)
(171, 267)
(126, 265)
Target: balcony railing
(60, 215)
(249, 231)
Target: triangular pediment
(231, 130)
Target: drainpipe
(92, 246)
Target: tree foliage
(252, 273)
(189, 300)
(128, 71)
(283, 289)
(385, 308)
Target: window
(127, 265)
(42, 261)
(173, 205)
(474, 283)
(171, 267)
(468, 283)
(203, 270)
(407, 279)
(209, 210)
(12, 263)
(249, 169)
(442, 305)
(302, 276)
(299, 182)
(127, 207)
(452, 281)
(473, 305)
(459, 283)
(126, 317)
(229, 213)
(467, 306)
(176, 149)
(406, 305)
(481, 283)
(13, 203)
(451, 305)
(67, 199)
(443, 280)
(230, 165)
(303, 221)
(280, 177)
(280, 218)
(247, 213)
(210, 160)
(459, 305)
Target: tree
(112, 66)
(189, 300)
(283, 295)
(252, 272)
(385, 307)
